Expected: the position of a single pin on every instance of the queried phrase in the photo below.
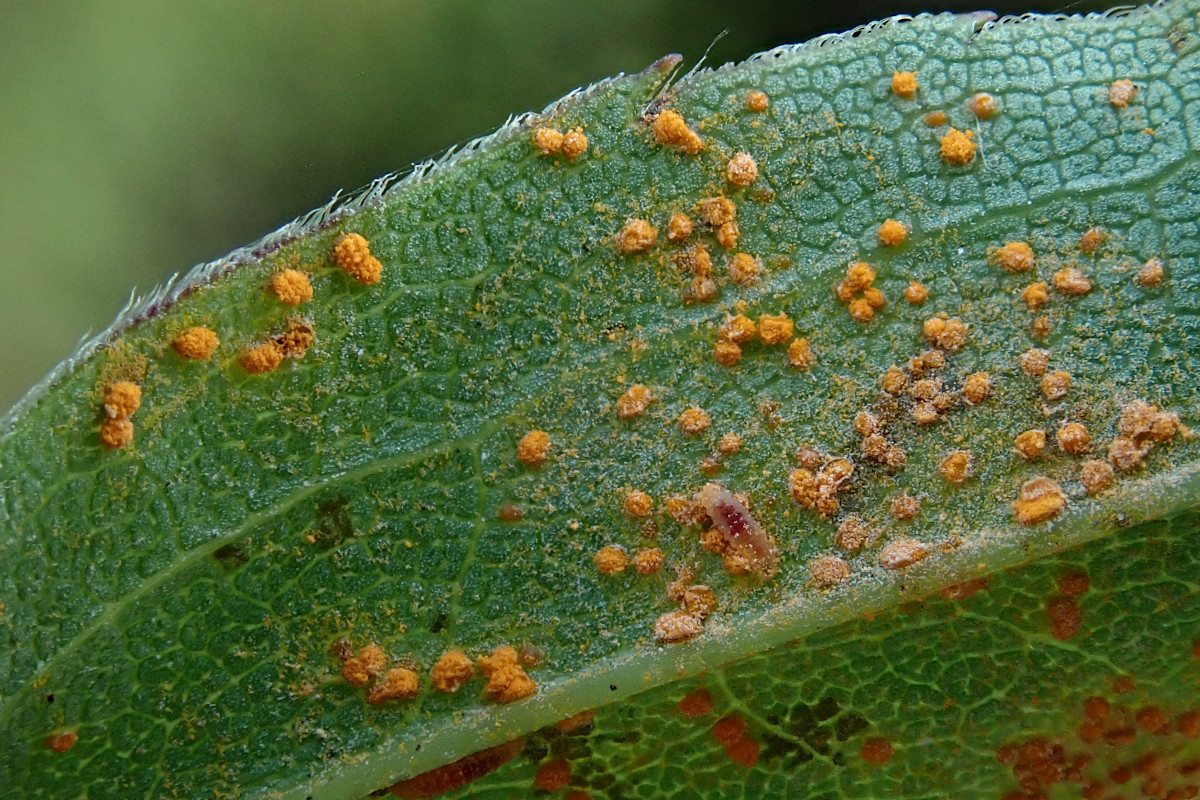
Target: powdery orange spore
(956, 467)
(1035, 295)
(694, 421)
(743, 269)
(1071, 281)
(295, 340)
(742, 170)
(398, 683)
(916, 293)
(548, 140)
(894, 381)
(611, 559)
(636, 236)
(533, 447)
(983, 105)
(1150, 276)
(122, 399)
(116, 433)
(452, 671)
(1015, 257)
(352, 253)
(197, 343)
(648, 560)
(1121, 93)
(574, 144)
(905, 507)
(1030, 444)
(634, 401)
(958, 149)
(800, 354)
(729, 444)
(828, 571)
(852, 534)
(1092, 239)
(507, 680)
(892, 233)
(977, 388)
(1073, 439)
(1034, 362)
(904, 84)
(1055, 385)
(360, 669)
(774, 329)
(292, 287)
(1039, 500)
(262, 359)
(716, 211)
(679, 227)
(948, 334)
(553, 776)
(699, 601)
(637, 503)
(935, 119)
(727, 235)
(676, 626)
(671, 129)
(1095, 475)
(757, 101)
(727, 354)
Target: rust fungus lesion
(757, 101)
(634, 401)
(671, 129)
(826, 572)
(958, 147)
(352, 254)
(122, 399)
(892, 233)
(1040, 500)
(858, 292)
(1121, 93)
(196, 343)
(291, 287)
(533, 448)
(904, 84)
(507, 681)
(452, 671)
(742, 170)
(262, 359)
(903, 553)
(818, 490)
(636, 236)
(983, 105)
(611, 559)
(1014, 257)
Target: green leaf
(181, 605)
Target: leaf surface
(179, 604)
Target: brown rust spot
(696, 704)
(458, 774)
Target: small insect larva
(739, 528)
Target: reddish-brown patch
(729, 729)
(583, 719)
(578, 794)
(696, 704)
(1120, 737)
(1189, 724)
(1065, 617)
(1074, 584)
(61, 742)
(1152, 719)
(1196, 648)
(553, 776)
(744, 751)
(961, 591)
(458, 774)
(876, 750)
(1096, 709)
(1123, 685)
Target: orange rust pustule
(359, 670)
(671, 129)
(636, 236)
(262, 359)
(352, 253)
(295, 339)
(398, 683)
(292, 287)
(533, 447)
(1040, 500)
(958, 149)
(574, 144)
(458, 774)
(197, 343)
(122, 400)
(452, 671)
(507, 680)
(634, 401)
(116, 433)
(904, 84)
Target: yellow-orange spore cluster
(1150, 276)
(1091, 240)
(916, 293)
(648, 561)
(507, 680)
(892, 233)
(1035, 295)
(1142, 425)
(983, 105)
(1095, 475)
(352, 253)
(359, 670)
(935, 119)
(121, 400)
(957, 466)
(679, 227)
(533, 447)
(800, 354)
(1014, 257)
(197, 343)
(977, 387)
(398, 683)
(694, 421)
(636, 236)
(876, 445)
(1073, 439)
(452, 671)
(634, 401)
(1039, 500)
(757, 101)
(852, 534)
(548, 140)
(637, 503)
(947, 334)
(743, 269)
(574, 144)
(611, 559)
(1055, 385)
(742, 170)
(1071, 281)
(828, 571)
(295, 339)
(958, 148)
(1030, 444)
(1121, 93)
(696, 604)
(671, 129)
(292, 287)
(818, 492)
(904, 84)
(858, 292)
(905, 507)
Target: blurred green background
(139, 138)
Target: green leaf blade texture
(178, 598)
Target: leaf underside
(173, 603)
